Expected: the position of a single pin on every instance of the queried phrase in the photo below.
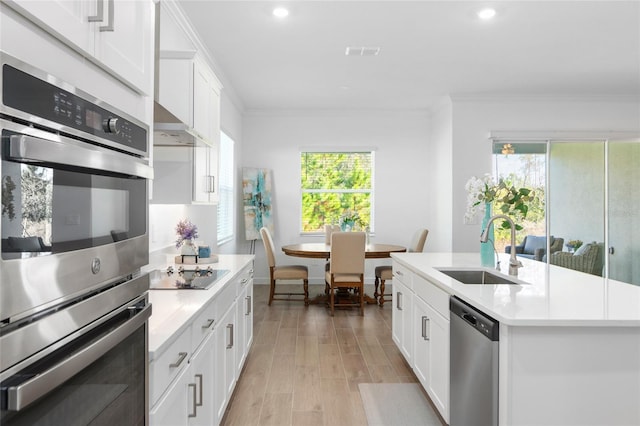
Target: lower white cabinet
(431, 354)
(224, 336)
(420, 329)
(193, 380)
(244, 320)
(402, 322)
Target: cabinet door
(245, 324)
(127, 46)
(201, 178)
(202, 100)
(67, 20)
(421, 342)
(438, 334)
(224, 369)
(401, 321)
(171, 409)
(202, 410)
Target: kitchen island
(198, 343)
(569, 349)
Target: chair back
(347, 252)
(328, 230)
(268, 246)
(418, 240)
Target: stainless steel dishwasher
(474, 366)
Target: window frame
(228, 233)
(337, 150)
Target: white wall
(274, 140)
(473, 119)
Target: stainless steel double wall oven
(73, 303)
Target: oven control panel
(39, 98)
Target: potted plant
(187, 232)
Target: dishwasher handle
(483, 323)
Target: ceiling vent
(362, 51)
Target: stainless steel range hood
(168, 130)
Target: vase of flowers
(507, 200)
(348, 220)
(187, 232)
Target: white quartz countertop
(549, 295)
(172, 309)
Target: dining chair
(283, 272)
(328, 230)
(385, 272)
(346, 269)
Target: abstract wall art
(256, 196)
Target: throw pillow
(582, 250)
(534, 242)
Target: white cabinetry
(402, 313)
(185, 175)
(420, 329)
(194, 378)
(115, 34)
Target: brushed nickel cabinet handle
(182, 356)
(398, 299)
(199, 378)
(424, 328)
(110, 17)
(248, 299)
(193, 386)
(99, 16)
(230, 328)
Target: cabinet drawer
(226, 297)
(202, 325)
(403, 274)
(434, 296)
(169, 364)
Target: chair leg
(375, 291)
(306, 292)
(272, 290)
(381, 299)
(362, 302)
(331, 301)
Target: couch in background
(588, 258)
(535, 247)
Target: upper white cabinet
(189, 90)
(116, 34)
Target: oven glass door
(55, 208)
(111, 390)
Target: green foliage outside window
(335, 185)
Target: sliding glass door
(624, 211)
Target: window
(225, 189)
(336, 186)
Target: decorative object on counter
(204, 251)
(573, 245)
(487, 250)
(187, 232)
(506, 199)
(192, 260)
(256, 195)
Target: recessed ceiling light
(486, 14)
(280, 12)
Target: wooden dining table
(323, 251)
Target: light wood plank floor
(304, 366)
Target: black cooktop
(185, 279)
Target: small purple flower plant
(186, 231)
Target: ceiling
(428, 49)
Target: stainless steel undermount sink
(478, 276)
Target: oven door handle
(30, 149)
(20, 396)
